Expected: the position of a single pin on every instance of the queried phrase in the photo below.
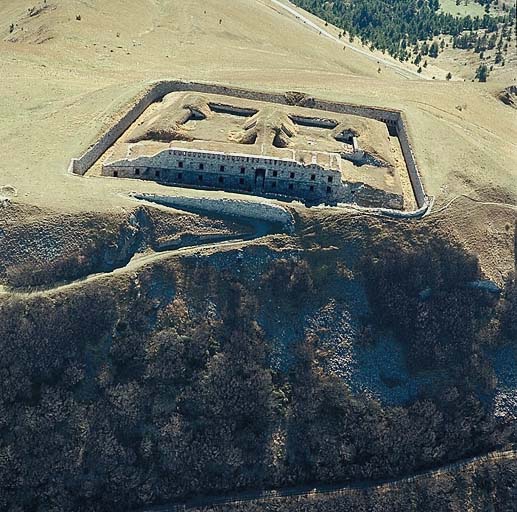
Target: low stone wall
(393, 118)
(226, 207)
(95, 151)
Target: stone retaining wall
(393, 118)
(416, 181)
(227, 207)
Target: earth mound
(269, 125)
(169, 124)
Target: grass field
(66, 78)
(466, 7)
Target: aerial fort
(293, 151)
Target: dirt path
(479, 201)
(401, 70)
(139, 260)
(333, 490)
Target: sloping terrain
(243, 368)
(355, 348)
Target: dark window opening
(275, 173)
(137, 172)
(115, 174)
(243, 170)
(221, 179)
(157, 174)
(200, 177)
(311, 188)
(313, 177)
(273, 185)
(291, 186)
(180, 165)
(291, 175)
(201, 167)
(180, 176)
(221, 168)
(241, 181)
(329, 189)
(330, 179)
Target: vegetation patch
(129, 393)
(415, 29)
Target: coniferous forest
(395, 26)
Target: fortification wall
(414, 175)
(393, 118)
(228, 207)
(95, 151)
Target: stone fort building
(282, 151)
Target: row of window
(220, 179)
(237, 158)
(201, 167)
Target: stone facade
(254, 174)
(267, 212)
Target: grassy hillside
(65, 79)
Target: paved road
(392, 64)
(333, 490)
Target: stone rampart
(414, 175)
(95, 151)
(393, 118)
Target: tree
(482, 73)
(449, 76)
(433, 51)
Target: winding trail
(261, 229)
(401, 70)
(479, 201)
(141, 259)
(333, 490)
